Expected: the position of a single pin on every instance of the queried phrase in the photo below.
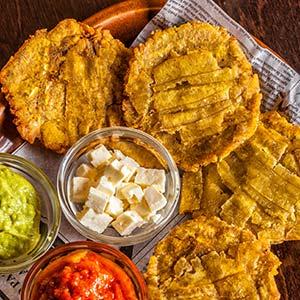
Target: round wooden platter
(125, 20)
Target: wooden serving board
(125, 20)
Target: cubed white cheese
(119, 187)
(126, 204)
(116, 165)
(87, 171)
(99, 156)
(131, 165)
(97, 200)
(128, 161)
(80, 189)
(131, 171)
(154, 199)
(127, 222)
(94, 221)
(114, 206)
(116, 172)
(127, 172)
(102, 221)
(142, 209)
(86, 217)
(105, 186)
(118, 154)
(155, 218)
(132, 192)
(151, 177)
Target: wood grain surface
(275, 22)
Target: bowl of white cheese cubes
(118, 185)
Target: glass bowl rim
(77, 245)
(29, 168)
(116, 240)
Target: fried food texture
(258, 185)
(193, 89)
(143, 154)
(61, 83)
(205, 258)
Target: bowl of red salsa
(86, 271)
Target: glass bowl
(50, 212)
(113, 135)
(107, 251)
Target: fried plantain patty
(257, 186)
(193, 88)
(206, 258)
(61, 84)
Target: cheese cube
(86, 217)
(99, 156)
(127, 172)
(132, 192)
(118, 193)
(131, 172)
(115, 165)
(114, 206)
(151, 177)
(87, 171)
(97, 200)
(102, 221)
(128, 161)
(155, 218)
(130, 164)
(106, 186)
(116, 172)
(80, 189)
(127, 222)
(119, 187)
(154, 199)
(94, 221)
(118, 154)
(126, 204)
(142, 209)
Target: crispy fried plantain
(61, 83)
(193, 88)
(205, 258)
(191, 191)
(258, 184)
(143, 154)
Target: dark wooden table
(275, 22)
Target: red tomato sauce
(84, 275)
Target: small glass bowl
(50, 212)
(76, 155)
(107, 251)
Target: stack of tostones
(209, 259)
(64, 83)
(193, 89)
(257, 186)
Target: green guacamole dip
(19, 214)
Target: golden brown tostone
(61, 83)
(258, 185)
(193, 88)
(206, 258)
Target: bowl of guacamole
(29, 213)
